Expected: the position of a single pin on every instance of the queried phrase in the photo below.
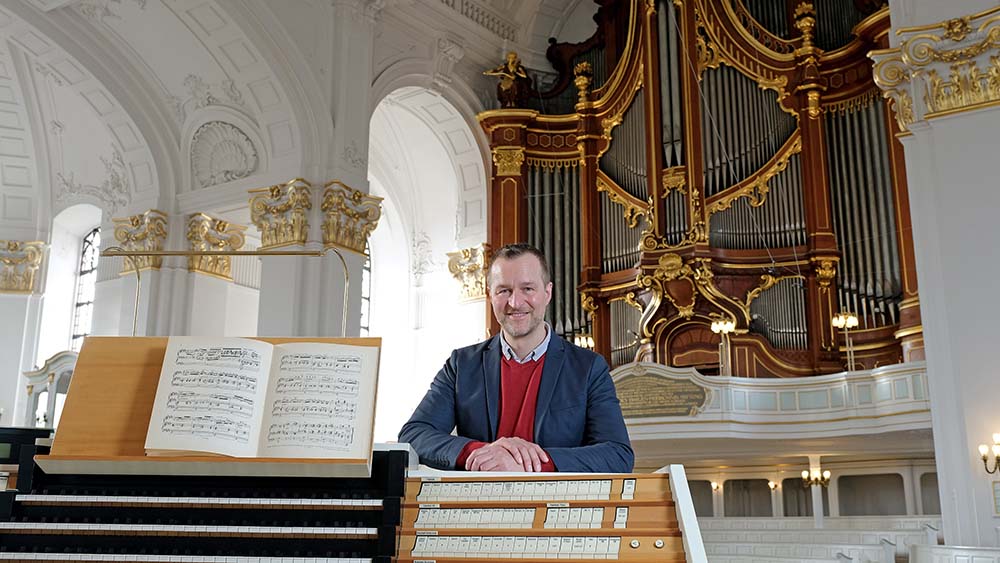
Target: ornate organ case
(701, 160)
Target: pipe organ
(716, 161)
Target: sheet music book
(246, 398)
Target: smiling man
(526, 399)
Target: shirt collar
(535, 354)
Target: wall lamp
(984, 451)
(814, 478)
(772, 485)
(584, 340)
(723, 327)
(847, 321)
(715, 486)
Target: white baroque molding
(201, 94)
(220, 153)
(100, 10)
(943, 68)
(422, 257)
(114, 193)
(447, 54)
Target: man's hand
(508, 454)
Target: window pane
(86, 285)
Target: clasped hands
(508, 454)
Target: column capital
(145, 231)
(19, 261)
(281, 213)
(942, 68)
(349, 216)
(468, 266)
(207, 233)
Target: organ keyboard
(456, 517)
(188, 519)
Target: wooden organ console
(93, 496)
(428, 516)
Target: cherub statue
(514, 86)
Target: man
(524, 400)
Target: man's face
(519, 295)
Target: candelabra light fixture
(846, 321)
(715, 486)
(724, 327)
(772, 485)
(814, 478)
(984, 452)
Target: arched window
(86, 281)
(366, 292)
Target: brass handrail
(130, 255)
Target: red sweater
(518, 397)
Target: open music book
(246, 398)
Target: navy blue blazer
(578, 420)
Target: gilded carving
(208, 234)
(281, 213)
(584, 75)
(826, 271)
(633, 209)
(508, 160)
(674, 178)
(766, 282)
(468, 266)
(349, 216)
(631, 300)
(942, 68)
(146, 231)
(588, 304)
(19, 262)
(757, 187)
(705, 47)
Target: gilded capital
(468, 266)
(281, 213)
(146, 231)
(207, 234)
(826, 271)
(349, 216)
(508, 160)
(948, 67)
(19, 261)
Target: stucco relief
(114, 193)
(220, 153)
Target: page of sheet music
(321, 400)
(210, 396)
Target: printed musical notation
(309, 407)
(210, 402)
(214, 379)
(318, 383)
(311, 434)
(220, 357)
(207, 426)
(338, 363)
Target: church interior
(773, 218)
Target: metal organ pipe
(625, 163)
(624, 327)
(742, 127)
(779, 315)
(554, 227)
(778, 223)
(670, 85)
(868, 276)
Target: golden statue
(514, 86)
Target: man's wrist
(463, 456)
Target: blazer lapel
(554, 359)
(491, 382)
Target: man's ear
(548, 290)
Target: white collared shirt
(535, 354)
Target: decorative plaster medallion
(220, 153)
